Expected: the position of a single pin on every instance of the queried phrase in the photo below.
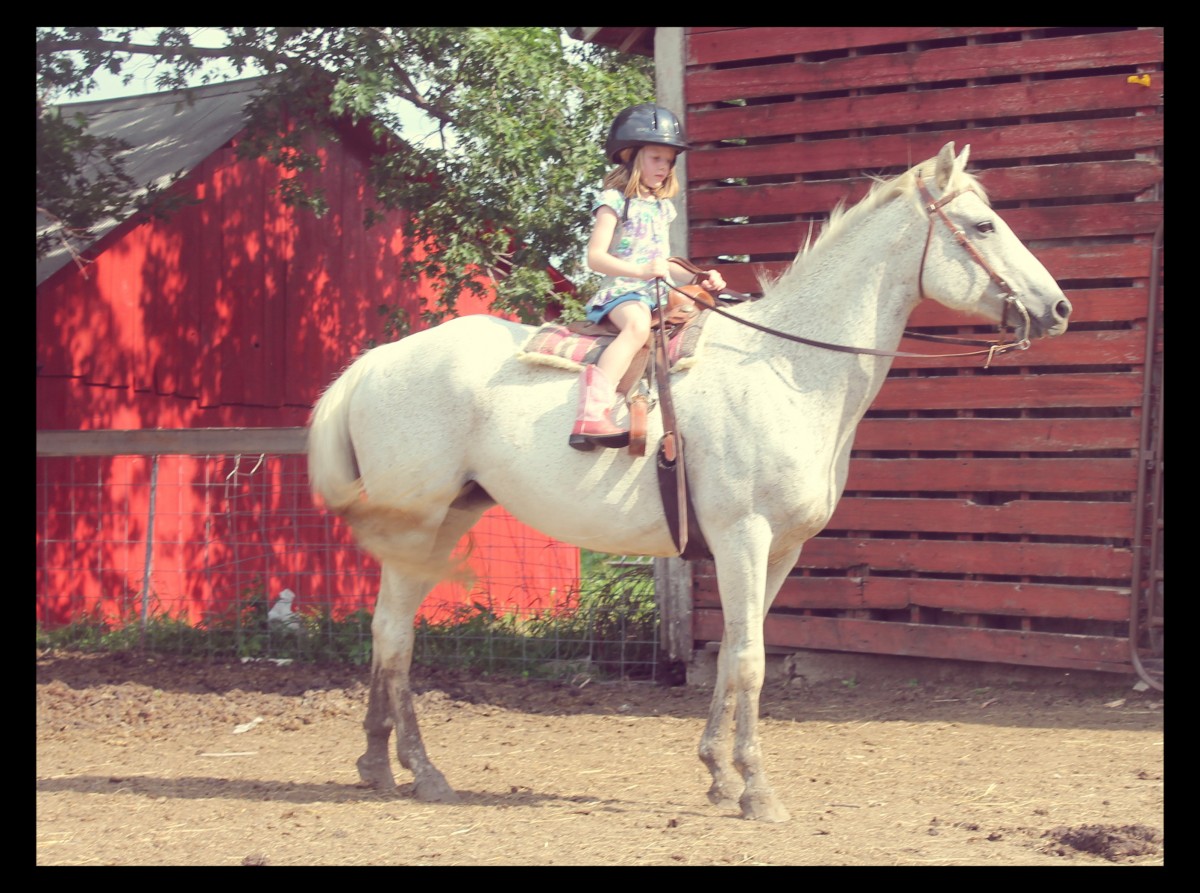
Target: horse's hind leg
(390, 704)
(375, 765)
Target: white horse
(416, 439)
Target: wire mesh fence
(189, 553)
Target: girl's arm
(714, 281)
(604, 263)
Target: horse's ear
(944, 168)
(948, 167)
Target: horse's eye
(985, 227)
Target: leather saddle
(679, 317)
(577, 344)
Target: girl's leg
(597, 384)
(633, 319)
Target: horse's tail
(336, 481)
(333, 470)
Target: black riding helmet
(640, 125)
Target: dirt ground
(153, 761)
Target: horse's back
(460, 343)
(416, 401)
(451, 361)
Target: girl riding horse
(630, 245)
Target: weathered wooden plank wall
(989, 514)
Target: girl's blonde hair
(628, 177)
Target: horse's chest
(790, 484)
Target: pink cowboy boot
(594, 425)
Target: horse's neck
(858, 289)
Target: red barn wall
(236, 311)
(989, 514)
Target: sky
(110, 86)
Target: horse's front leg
(389, 704)
(748, 587)
(716, 743)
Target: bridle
(935, 208)
(936, 211)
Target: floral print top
(641, 237)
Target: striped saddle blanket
(574, 346)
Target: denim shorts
(596, 314)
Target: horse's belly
(605, 500)
(453, 405)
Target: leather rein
(936, 211)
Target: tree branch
(165, 52)
(410, 93)
(64, 233)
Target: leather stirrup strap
(639, 409)
(637, 368)
(672, 479)
(635, 399)
(672, 474)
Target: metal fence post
(149, 566)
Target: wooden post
(673, 576)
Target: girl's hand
(714, 282)
(656, 269)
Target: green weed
(608, 628)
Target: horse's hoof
(763, 809)
(376, 775)
(720, 797)
(435, 789)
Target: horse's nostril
(1062, 309)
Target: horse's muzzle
(1050, 323)
(1059, 315)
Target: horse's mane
(842, 219)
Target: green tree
(498, 178)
